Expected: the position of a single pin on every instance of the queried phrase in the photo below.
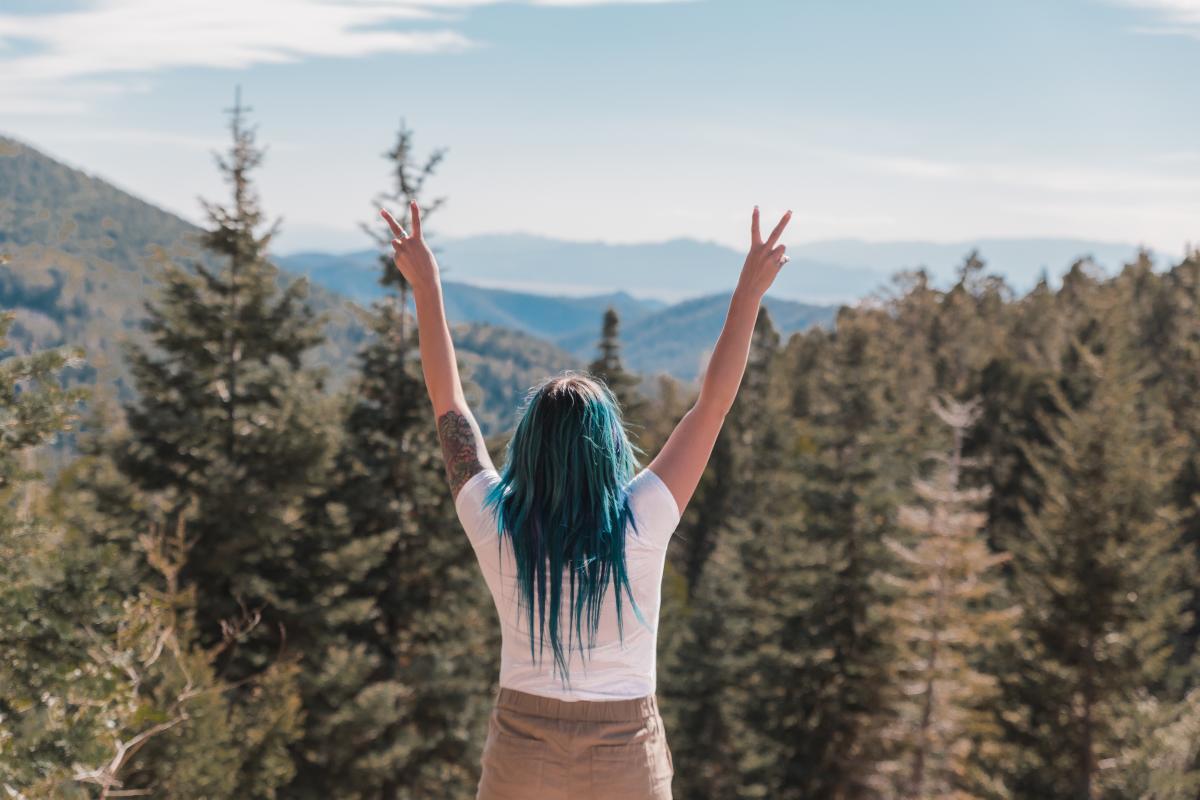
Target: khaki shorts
(540, 747)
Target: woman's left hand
(413, 257)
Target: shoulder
(469, 504)
(656, 514)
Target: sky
(638, 121)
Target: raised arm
(683, 458)
(462, 442)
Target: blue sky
(640, 121)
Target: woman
(576, 715)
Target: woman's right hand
(413, 257)
(765, 259)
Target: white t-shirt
(613, 670)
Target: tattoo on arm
(460, 448)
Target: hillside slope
(679, 339)
(78, 259)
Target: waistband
(588, 710)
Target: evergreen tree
(228, 417)
(229, 422)
(1170, 333)
(702, 646)
(1098, 574)
(398, 695)
(408, 178)
(767, 697)
(608, 367)
(849, 491)
(38, 736)
(948, 616)
(1159, 754)
(716, 499)
(702, 659)
(104, 695)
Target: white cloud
(1177, 17)
(67, 58)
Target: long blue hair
(562, 502)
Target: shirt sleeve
(654, 509)
(478, 522)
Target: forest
(945, 547)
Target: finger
(775, 234)
(415, 211)
(779, 255)
(755, 235)
(398, 245)
(397, 231)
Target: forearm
(438, 360)
(727, 364)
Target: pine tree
(1170, 332)
(408, 183)
(1159, 753)
(766, 698)
(37, 734)
(104, 694)
(398, 694)
(1098, 574)
(608, 367)
(702, 663)
(849, 491)
(229, 422)
(709, 649)
(716, 499)
(228, 417)
(948, 616)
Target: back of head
(562, 502)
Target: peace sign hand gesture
(413, 257)
(765, 259)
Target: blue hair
(562, 501)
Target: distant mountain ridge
(819, 273)
(663, 272)
(655, 337)
(77, 257)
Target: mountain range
(78, 258)
(819, 273)
(656, 337)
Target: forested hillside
(79, 258)
(82, 256)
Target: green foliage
(949, 617)
(398, 688)
(799, 668)
(97, 688)
(228, 429)
(608, 367)
(1159, 750)
(1099, 572)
